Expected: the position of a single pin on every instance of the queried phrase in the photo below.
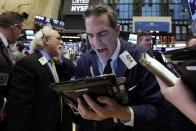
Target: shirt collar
(45, 54)
(3, 38)
(116, 53)
(114, 58)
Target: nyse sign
(79, 5)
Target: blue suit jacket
(145, 98)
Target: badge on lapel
(127, 59)
(43, 60)
(4, 79)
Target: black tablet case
(105, 85)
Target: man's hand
(110, 109)
(177, 93)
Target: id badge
(4, 79)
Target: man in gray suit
(10, 30)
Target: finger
(92, 104)
(85, 113)
(82, 114)
(81, 109)
(162, 84)
(105, 100)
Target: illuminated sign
(77, 7)
(152, 25)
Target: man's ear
(45, 40)
(12, 28)
(117, 29)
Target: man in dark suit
(145, 39)
(33, 105)
(10, 29)
(144, 111)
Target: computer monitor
(132, 38)
(29, 34)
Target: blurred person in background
(191, 41)
(11, 24)
(65, 65)
(144, 39)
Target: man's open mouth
(102, 51)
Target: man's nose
(61, 43)
(96, 39)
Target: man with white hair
(32, 105)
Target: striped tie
(54, 70)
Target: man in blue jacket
(144, 109)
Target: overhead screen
(29, 34)
(42, 20)
(73, 14)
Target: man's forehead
(96, 31)
(194, 39)
(97, 20)
(146, 37)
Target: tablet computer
(105, 85)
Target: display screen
(192, 8)
(133, 38)
(56, 24)
(26, 45)
(29, 34)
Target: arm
(181, 97)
